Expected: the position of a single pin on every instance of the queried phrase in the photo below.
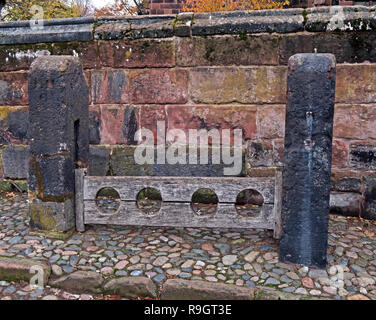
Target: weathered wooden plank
(79, 201)
(278, 205)
(180, 189)
(179, 215)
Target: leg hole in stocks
(149, 201)
(204, 202)
(249, 203)
(107, 200)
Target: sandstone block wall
(221, 70)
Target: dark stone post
(59, 120)
(307, 160)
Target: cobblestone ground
(241, 257)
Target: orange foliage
(231, 5)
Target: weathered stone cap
(320, 61)
(50, 22)
(127, 30)
(55, 30)
(338, 18)
(136, 20)
(322, 19)
(258, 21)
(60, 63)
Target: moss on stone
(8, 185)
(18, 269)
(39, 177)
(243, 36)
(305, 16)
(5, 186)
(6, 110)
(54, 234)
(42, 217)
(50, 198)
(22, 184)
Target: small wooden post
(278, 204)
(79, 199)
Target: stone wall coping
(321, 19)
(51, 22)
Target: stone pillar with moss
(59, 120)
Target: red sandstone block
(109, 87)
(340, 154)
(253, 85)
(346, 3)
(265, 153)
(111, 122)
(260, 153)
(271, 121)
(139, 53)
(13, 125)
(14, 89)
(20, 57)
(362, 154)
(261, 172)
(85, 50)
(356, 83)
(170, 6)
(213, 117)
(278, 151)
(94, 125)
(293, 43)
(149, 115)
(118, 124)
(158, 86)
(346, 180)
(227, 50)
(87, 74)
(355, 121)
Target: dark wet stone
(307, 158)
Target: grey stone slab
(370, 198)
(178, 289)
(80, 282)
(59, 128)
(346, 203)
(16, 162)
(363, 157)
(307, 158)
(99, 160)
(131, 287)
